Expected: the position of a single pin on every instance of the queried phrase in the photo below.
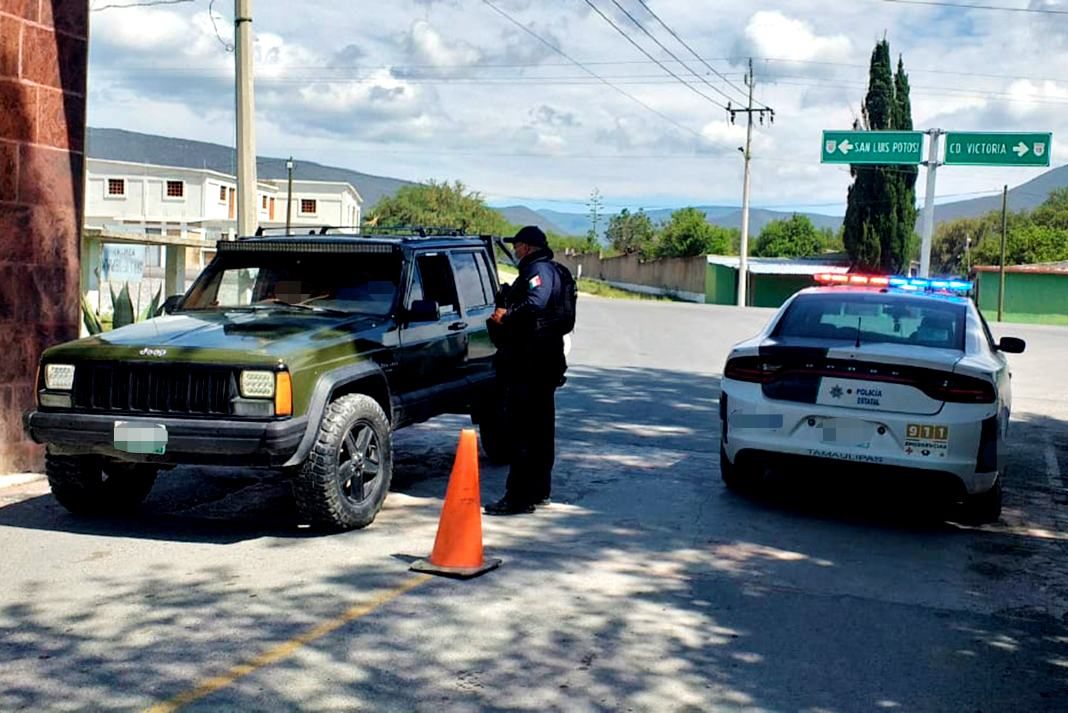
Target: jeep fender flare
(326, 388)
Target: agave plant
(124, 313)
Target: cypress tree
(880, 208)
(905, 199)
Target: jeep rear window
(357, 283)
(879, 317)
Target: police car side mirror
(1012, 345)
(423, 311)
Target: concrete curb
(12, 479)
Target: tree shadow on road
(645, 586)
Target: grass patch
(1060, 320)
(508, 273)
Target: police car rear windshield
(875, 317)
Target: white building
(198, 206)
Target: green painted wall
(1026, 293)
(721, 285)
(773, 290)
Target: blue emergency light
(899, 281)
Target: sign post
(962, 149)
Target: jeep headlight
(59, 377)
(257, 384)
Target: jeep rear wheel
(88, 485)
(345, 479)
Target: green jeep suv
(295, 352)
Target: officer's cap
(531, 235)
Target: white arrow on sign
(1020, 149)
(845, 146)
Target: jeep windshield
(357, 283)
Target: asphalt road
(644, 586)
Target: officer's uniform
(530, 367)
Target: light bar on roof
(300, 246)
(904, 283)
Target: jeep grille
(151, 388)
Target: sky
(542, 102)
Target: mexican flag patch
(535, 282)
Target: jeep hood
(267, 333)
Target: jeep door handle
(457, 326)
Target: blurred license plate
(139, 437)
(846, 431)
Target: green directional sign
(903, 147)
(996, 149)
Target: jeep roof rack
(363, 229)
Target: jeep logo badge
(153, 352)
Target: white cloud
(772, 34)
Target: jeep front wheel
(87, 485)
(344, 481)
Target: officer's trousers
(531, 423)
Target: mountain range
(121, 145)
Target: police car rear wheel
(984, 507)
(738, 479)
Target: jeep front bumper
(193, 441)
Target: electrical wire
(694, 53)
(641, 49)
(605, 81)
(672, 54)
(968, 6)
(144, 3)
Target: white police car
(891, 376)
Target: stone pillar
(43, 65)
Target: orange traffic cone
(458, 547)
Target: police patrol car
(890, 376)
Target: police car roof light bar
(898, 281)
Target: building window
(265, 202)
(222, 194)
(308, 206)
(116, 187)
(175, 189)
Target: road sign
(996, 149)
(900, 147)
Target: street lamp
(289, 196)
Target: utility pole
(927, 227)
(743, 258)
(289, 197)
(1004, 231)
(246, 125)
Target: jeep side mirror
(423, 311)
(169, 305)
(1012, 345)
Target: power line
(967, 6)
(563, 54)
(641, 49)
(695, 54)
(143, 3)
(672, 54)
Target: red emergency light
(837, 278)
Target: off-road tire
(88, 485)
(328, 493)
(737, 479)
(984, 507)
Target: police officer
(530, 365)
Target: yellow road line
(281, 651)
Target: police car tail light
(964, 390)
(753, 369)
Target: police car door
(432, 349)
